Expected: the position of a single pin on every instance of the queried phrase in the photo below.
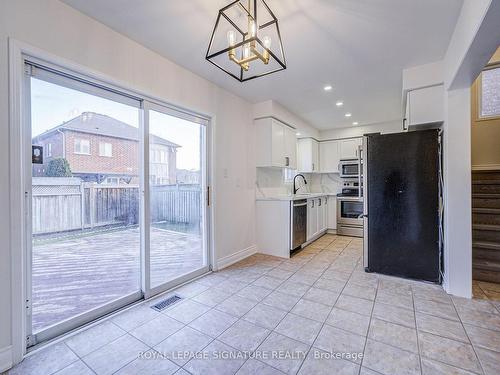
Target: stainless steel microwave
(349, 168)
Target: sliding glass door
(177, 190)
(116, 190)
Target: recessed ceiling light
(348, 114)
(327, 87)
(339, 103)
(355, 123)
(297, 134)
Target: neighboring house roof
(96, 123)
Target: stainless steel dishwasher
(298, 230)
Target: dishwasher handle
(300, 204)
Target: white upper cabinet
(290, 148)
(425, 106)
(276, 144)
(329, 156)
(349, 148)
(308, 155)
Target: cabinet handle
(404, 124)
(313, 167)
(312, 203)
(287, 161)
(319, 202)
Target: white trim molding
(236, 257)
(486, 167)
(6, 358)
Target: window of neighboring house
(489, 93)
(112, 181)
(105, 149)
(162, 156)
(82, 146)
(48, 150)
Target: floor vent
(162, 305)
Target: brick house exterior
(102, 149)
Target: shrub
(58, 167)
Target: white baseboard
(236, 257)
(331, 231)
(5, 358)
(486, 167)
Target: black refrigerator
(402, 191)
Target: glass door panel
(177, 188)
(85, 237)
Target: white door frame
(18, 53)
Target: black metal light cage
(274, 21)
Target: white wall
(64, 32)
(271, 108)
(358, 131)
(457, 193)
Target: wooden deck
(74, 275)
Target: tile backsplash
(276, 181)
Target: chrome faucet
(294, 188)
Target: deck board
(74, 275)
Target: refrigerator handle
(360, 151)
(366, 220)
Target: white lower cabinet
(331, 212)
(273, 227)
(322, 205)
(317, 216)
(312, 218)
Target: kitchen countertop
(294, 197)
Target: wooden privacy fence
(63, 204)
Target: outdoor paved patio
(75, 274)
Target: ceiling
(360, 47)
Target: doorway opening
(485, 153)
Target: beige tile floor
(317, 313)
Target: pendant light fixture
(246, 41)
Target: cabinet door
(425, 105)
(290, 148)
(325, 213)
(303, 155)
(321, 214)
(312, 218)
(329, 156)
(315, 155)
(277, 144)
(349, 148)
(332, 213)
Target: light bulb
(267, 41)
(252, 29)
(348, 114)
(246, 51)
(231, 37)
